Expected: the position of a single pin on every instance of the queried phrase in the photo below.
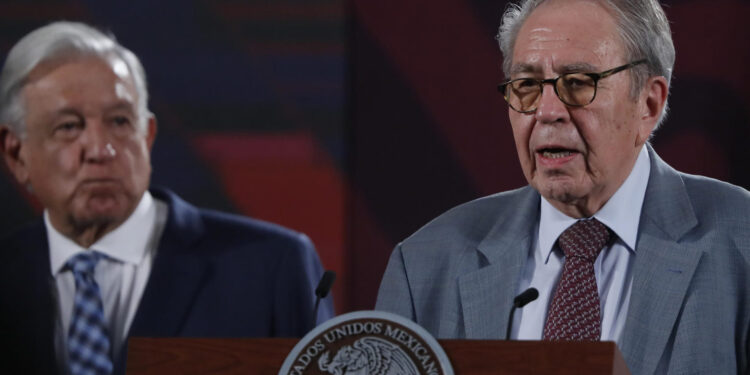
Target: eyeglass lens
(574, 89)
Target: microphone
(521, 300)
(324, 286)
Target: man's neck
(85, 237)
(581, 208)
(587, 206)
(84, 234)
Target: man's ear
(653, 100)
(11, 146)
(151, 131)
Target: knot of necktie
(84, 262)
(585, 239)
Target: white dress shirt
(121, 275)
(613, 267)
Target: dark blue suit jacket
(214, 275)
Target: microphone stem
(315, 312)
(510, 322)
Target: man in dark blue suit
(112, 259)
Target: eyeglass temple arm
(608, 73)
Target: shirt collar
(126, 243)
(621, 213)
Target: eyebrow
(66, 111)
(578, 67)
(567, 68)
(73, 111)
(524, 68)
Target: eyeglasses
(573, 89)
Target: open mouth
(556, 153)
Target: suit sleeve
(294, 294)
(395, 293)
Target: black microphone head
(524, 298)
(325, 284)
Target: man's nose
(551, 109)
(97, 143)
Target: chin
(562, 197)
(83, 222)
(101, 211)
(564, 193)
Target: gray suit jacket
(690, 304)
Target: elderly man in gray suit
(620, 246)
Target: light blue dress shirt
(613, 267)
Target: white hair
(643, 28)
(59, 41)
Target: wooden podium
(265, 356)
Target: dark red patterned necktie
(574, 312)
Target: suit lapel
(30, 287)
(177, 274)
(487, 293)
(663, 268)
(45, 308)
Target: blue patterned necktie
(88, 337)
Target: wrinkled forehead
(564, 35)
(78, 86)
(79, 73)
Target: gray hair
(60, 41)
(643, 28)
